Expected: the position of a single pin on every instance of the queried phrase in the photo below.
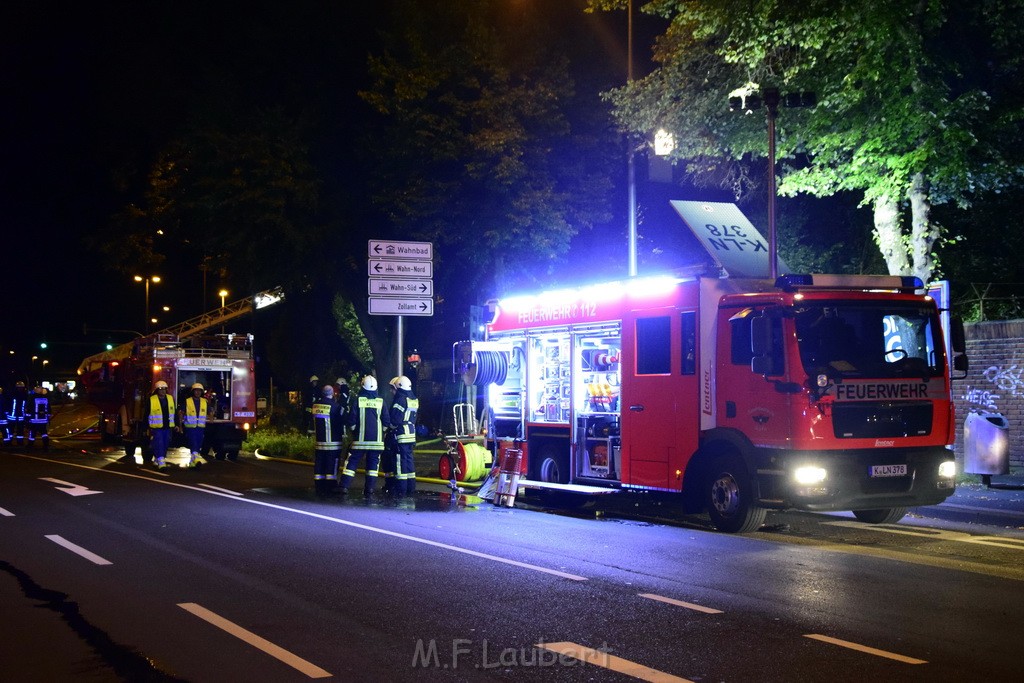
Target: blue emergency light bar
(794, 281)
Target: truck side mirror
(957, 336)
(958, 342)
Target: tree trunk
(889, 236)
(924, 233)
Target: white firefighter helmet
(328, 391)
(370, 383)
(401, 382)
(160, 385)
(341, 382)
(199, 386)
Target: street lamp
(154, 278)
(222, 293)
(771, 100)
(631, 161)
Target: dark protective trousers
(406, 469)
(352, 464)
(325, 469)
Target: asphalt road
(236, 572)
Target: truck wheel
(880, 516)
(553, 466)
(729, 497)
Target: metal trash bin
(986, 444)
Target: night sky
(93, 90)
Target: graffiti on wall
(1006, 380)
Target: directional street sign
(386, 287)
(400, 278)
(420, 251)
(401, 306)
(394, 268)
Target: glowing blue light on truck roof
(604, 291)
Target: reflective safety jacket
(195, 418)
(16, 408)
(369, 420)
(403, 416)
(37, 409)
(328, 425)
(158, 419)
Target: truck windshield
(876, 339)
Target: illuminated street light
(154, 278)
(222, 294)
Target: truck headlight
(947, 469)
(809, 475)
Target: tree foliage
(915, 102)
(227, 196)
(474, 146)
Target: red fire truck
(118, 382)
(742, 394)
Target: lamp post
(630, 160)
(771, 98)
(222, 294)
(153, 278)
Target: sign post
(400, 282)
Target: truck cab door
(752, 396)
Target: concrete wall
(995, 382)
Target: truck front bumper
(855, 480)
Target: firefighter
(37, 414)
(16, 414)
(192, 418)
(160, 416)
(5, 432)
(328, 434)
(369, 420)
(404, 406)
(342, 394)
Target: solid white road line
(6, 513)
(217, 488)
(603, 659)
(865, 649)
(680, 603)
(326, 518)
(78, 550)
(256, 641)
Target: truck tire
(729, 497)
(552, 465)
(880, 516)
